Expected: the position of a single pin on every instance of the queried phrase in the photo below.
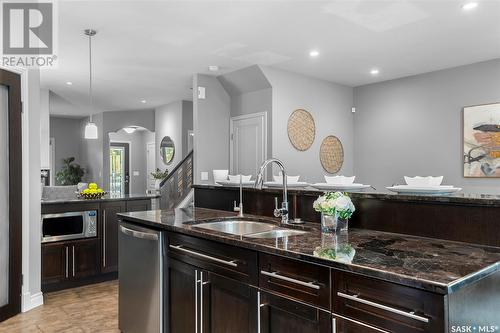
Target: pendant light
(91, 127)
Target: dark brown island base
(365, 280)
(75, 262)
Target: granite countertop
(430, 264)
(461, 197)
(123, 197)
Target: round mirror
(167, 150)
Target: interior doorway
(119, 174)
(248, 144)
(10, 194)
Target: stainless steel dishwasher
(140, 276)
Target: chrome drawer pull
(231, 263)
(284, 278)
(356, 298)
(360, 323)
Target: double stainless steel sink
(249, 228)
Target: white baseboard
(31, 301)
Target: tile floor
(92, 308)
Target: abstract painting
(482, 141)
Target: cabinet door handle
(103, 238)
(67, 262)
(231, 263)
(196, 281)
(259, 306)
(73, 260)
(286, 278)
(201, 302)
(356, 298)
(334, 323)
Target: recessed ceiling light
(374, 71)
(469, 5)
(213, 68)
(314, 53)
(69, 83)
(143, 101)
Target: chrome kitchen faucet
(283, 211)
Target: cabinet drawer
(230, 261)
(296, 279)
(386, 305)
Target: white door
(151, 164)
(248, 148)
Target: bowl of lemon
(92, 192)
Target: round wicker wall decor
(331, 154)
(301, 129)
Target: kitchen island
(359, 281)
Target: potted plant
(159, 176)
(71, 173)
(336, 208)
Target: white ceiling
(150, 50)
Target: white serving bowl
(289, 179)
(220, 175)
(339, 180)
(423, 181)
(236, 178)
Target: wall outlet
(135, 173)
(204, 175)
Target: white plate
(229, 183)
(443, 189)
(340, 187)
(290, 185)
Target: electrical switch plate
(201, 93)
(204, 175)
(136, 173)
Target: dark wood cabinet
(279, 314)
(72, 263)
(296, 279)
(138, 205)
(182, 297)
(227, 305)
(109, 235)
(55, 263)
(84, 258)
(66, 262)
(387, 305)
(344, 325)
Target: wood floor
(92, 308)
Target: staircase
(178, 185)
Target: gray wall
(137, 156)
(68, 136)
(187, 124)
(175, 120)
(211, 126)
(413, 126)
(330, 105)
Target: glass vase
(328, 223)
(333, 223)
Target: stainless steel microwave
(70, 225)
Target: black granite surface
(122, 197)
(435, 265)
(454, 198)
